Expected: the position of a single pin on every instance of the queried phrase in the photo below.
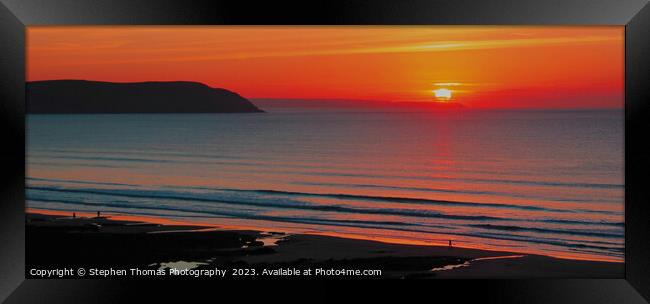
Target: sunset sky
(477, 66)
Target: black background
(20, 13)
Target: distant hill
(81, 96)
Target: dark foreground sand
(90, 242)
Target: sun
(442, 94)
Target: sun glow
(442, 94)
(477, 66)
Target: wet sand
(104, 242)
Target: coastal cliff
(81, 96)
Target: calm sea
(548, 182)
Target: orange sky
(483, 66)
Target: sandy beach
(57, 240)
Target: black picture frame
(15, 15)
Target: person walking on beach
(450, 246)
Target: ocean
(542, 182)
